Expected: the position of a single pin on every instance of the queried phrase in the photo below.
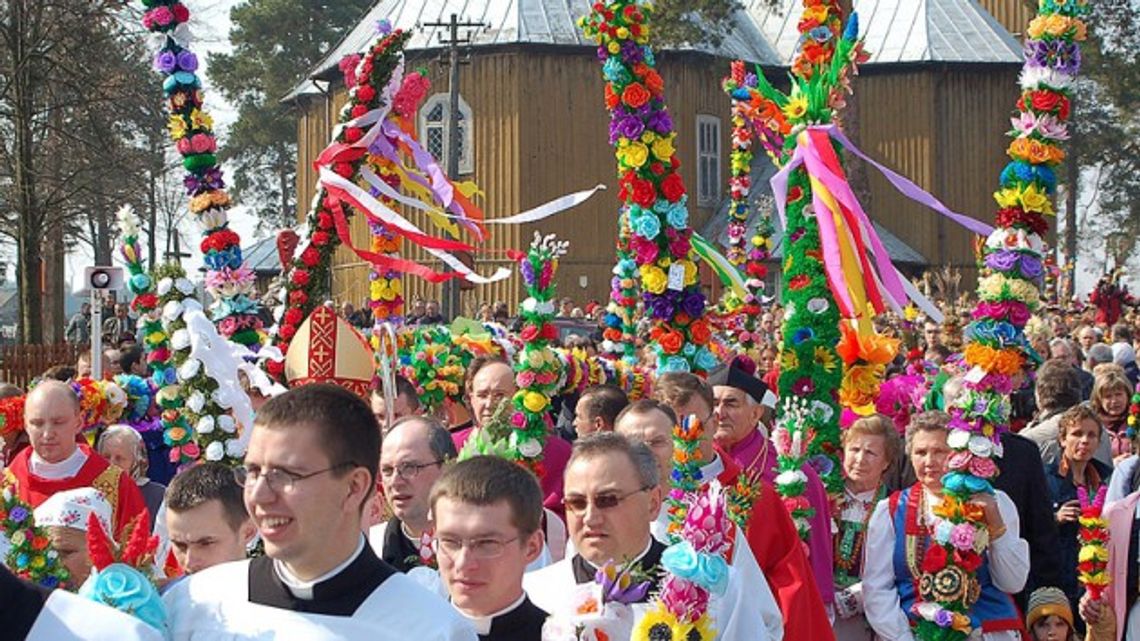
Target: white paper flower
(215, 451)
(171, 311)
(789, 477)
(546, 307)
(530, 448)
(981, 445)
(189, 369)
(180, 340)
(164, 286)
(958, 439)
(529, 305)
(227, 424)
(205, 425)
(234, 448)
(196, 402)
(818, 305)
(185, 286)
(192, 305)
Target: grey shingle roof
(262, 258)
(904, 31)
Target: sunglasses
(578, 504)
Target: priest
(611, 497)
(309, 470)
(56, 462)
(487, 517)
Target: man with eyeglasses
(308, 472)
(487, 531)
(412, 457)
(612, 495)
(491, 382)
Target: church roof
(904, 31)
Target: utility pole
(450, 302)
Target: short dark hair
(129, 357)
(1058, 385)
(61, 373)
(487, 480)
(404, 387)
(207, 481)
(347, 429)
(644, 406)
(1121, 333)
(678, 388)
(439, 439)
(639, 455)
(604, 401)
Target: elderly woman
(870, 446)
(900, 528)
(1111, 393)
(1079, 436)
(123, 447)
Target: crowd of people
(354, 517)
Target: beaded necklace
(850, 539)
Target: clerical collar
(339, 593)
(65, 469)
(482, 625)
(304, 589)
(712, 469)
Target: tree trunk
(30, 226)
(152, 213)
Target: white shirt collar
(482, 625)
(304, 589)
(65, 469)
(711, 470)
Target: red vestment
(776, 545)
(120, 489)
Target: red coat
(118, 487)
(776, 546)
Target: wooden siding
(1014, 15)
(540, 131)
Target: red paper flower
(643, 192)
(300, 277)
(935, 559)
(311, 257)
(673, 187)
(635, 95)
(365, 93)
(181, 13)
(320, 238)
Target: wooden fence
(19, 364)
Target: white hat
(73, 508)
(1122, 353)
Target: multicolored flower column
(156, 343)
(1008, 293)
(234, 311)
(536, 372)
(310, 272)
(29, 555)
(652, 192)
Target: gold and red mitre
(326, 349)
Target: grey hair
(1099, 354)
(639, 454)
(439, 439)
(951, 390)
(931, 421)
(116, 431)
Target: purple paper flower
(527, 270)
(694, 305)
(612, 590)
(383, 27)
(943, 619)
(1031, 267)
(18, 514)
(187, 61)
(165, 61)
(631, 127)
(660, 122)
(661, 306)
(1002, 261)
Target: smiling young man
(487, 517)
(310, 468)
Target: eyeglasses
(607, 501)
(407, 471)
(477, 548)
(279, 480)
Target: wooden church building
(933, 103)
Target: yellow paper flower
(690, 271)
(663, 148)
(796, 107)
(177, 127)
(534, 402)
(825, 359)
(634, 154)
(653, 278)
(201, 120)
(789, 361)
(1092, 553)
